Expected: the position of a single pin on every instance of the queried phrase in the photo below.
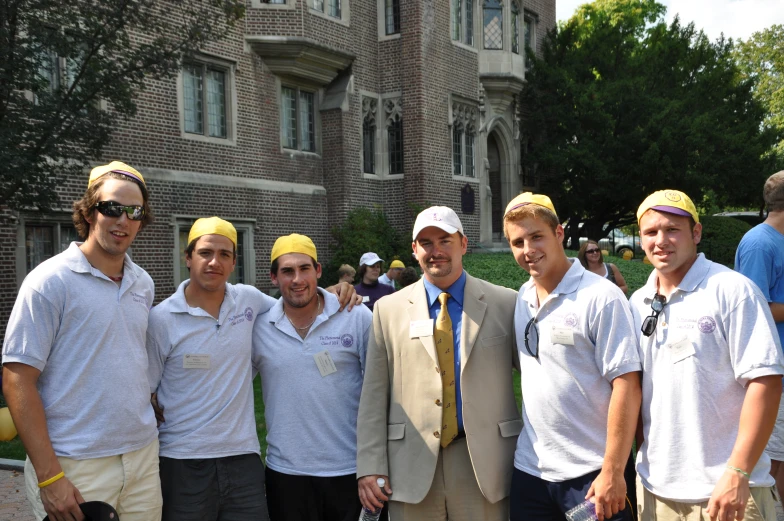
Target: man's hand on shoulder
(346, 294)
(730, 497)
(371, 495)
(61, 501)
(608, 491)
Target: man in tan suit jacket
(404, 411)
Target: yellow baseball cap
(670, 201)
(396, 264)
(294, 243)
(212, 226)
(527, 198)
(114, 166)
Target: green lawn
(499, 268)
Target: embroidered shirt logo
(347, 340)
(248, 314)
(706, 324)
(571, 320)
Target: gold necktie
(445, 344)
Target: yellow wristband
(739, 471)
(51, 480)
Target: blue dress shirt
(454, 307)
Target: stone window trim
(229, 67)
(463, 125)
(245, 228)
(274, 4)
(530, 19)
(321, 8)
(318, 96)
(61, 225)
(463, 20)
(382, 22)
(493, 24)
(388, 107)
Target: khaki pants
(454, 494)
(129, 482)
(761, 507)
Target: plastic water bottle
(585, 511)
(373, 515)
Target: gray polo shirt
(201, 369)
(86, 335)
(312, 419)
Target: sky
(735, 18)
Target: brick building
(311, 108)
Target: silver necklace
(318, 312)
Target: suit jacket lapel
(418, 310)
(474, 308)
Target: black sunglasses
(595, 250)
(531, 327)
(115, 209)
(649, 324)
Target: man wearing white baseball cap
(437, 417)
(369, 286)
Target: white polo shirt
(86, 336)
(312, 419)
(585, 340)
(713, 337)
(201, 370)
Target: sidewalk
(13, 503)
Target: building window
(493, 16)
(369, 107)
(298, 119)
(332, 7)
(529, 35)
(392, 16)
(515, 28)
(463, 21)
(464, 119)
(205, 100)
(43, 241)
(243, 270)
(394, 122)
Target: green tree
(761, 58)
(621, 105)
(70, 70)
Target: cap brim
(446, 227)
(671, 209)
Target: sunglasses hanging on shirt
(649, 324)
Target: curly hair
(84, 208)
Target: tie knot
(442, 298)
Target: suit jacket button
(436, 434)
(438, 402)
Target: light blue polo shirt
(201, 370)
(86, 335)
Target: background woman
(591, 258)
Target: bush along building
(310, 108)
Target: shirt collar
(692, 279)
(569, 283)
(456, 290)
(180, 305)
(77, 262)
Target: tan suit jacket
(400, 413)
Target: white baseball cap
(439, 216)
(369, 258)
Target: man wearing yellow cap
(579, 374)
(75, 366)
(199, 347)
(392, 276)
(311, 357)
(712, 368)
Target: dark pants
(213, 489)
(311, 498)
(534, 499)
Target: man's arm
(609, 487)
(60, 499)
(757, 418)
(777, 310)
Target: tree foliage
(622, 105)
(761, 58)
(70, 70)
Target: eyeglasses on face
(593, 250)
(649, 324)
(115, 209)
(532, 337)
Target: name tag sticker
(365, 299)
(420, 328)
(562, 335)
(324, 363)
(681, 350)
(190, 361)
